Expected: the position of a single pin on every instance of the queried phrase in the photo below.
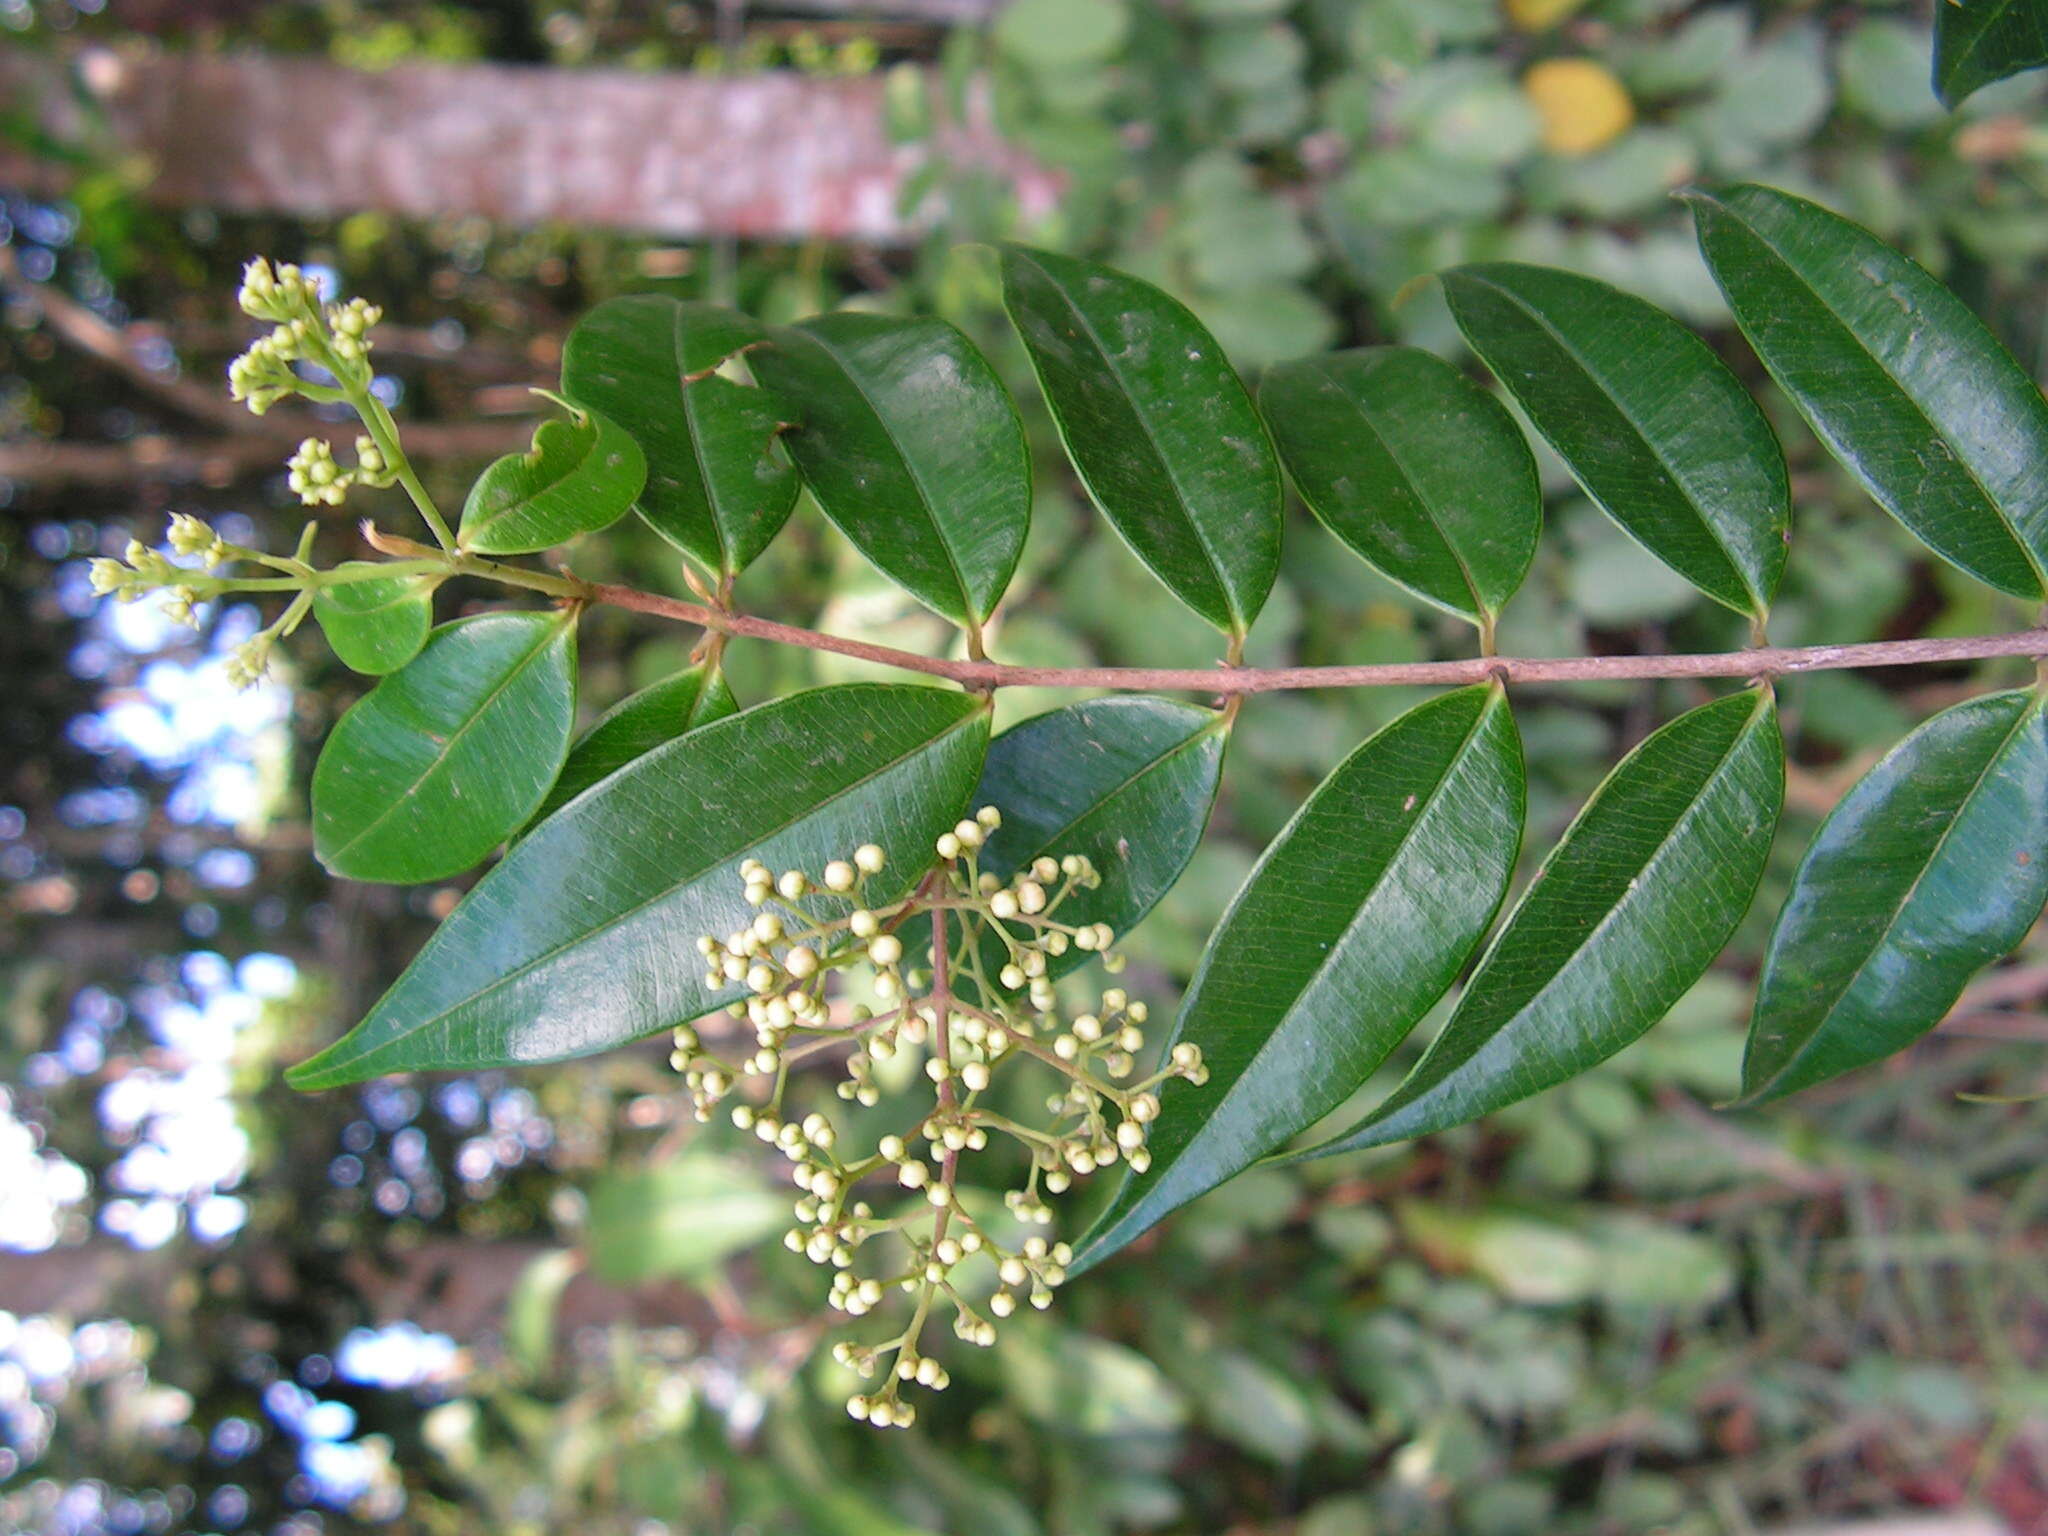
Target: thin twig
(1769, 661)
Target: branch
(1767, 661)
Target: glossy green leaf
(1660, 434)
(447, 757)
(1415, 467)
(583, 936)
(636, 725)
(912, 447)
(1126, 782)
(1357, 919)
(1932, 867)
(1904, 385)
(378, 624)
(1625, 915)
(717, 488)
(682, 1217)
(1158, 426)
(581, 475)
(1979, 41)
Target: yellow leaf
(1582, 105)
(1539, 15)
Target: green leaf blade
(1422, 473)
(1127, 782)
(1158, 427)
(636, 725)
(580, 476)
(1977, 42)
(1895, 375)
(449, 755)
(582, 937)
(716, 487)
(1661, 435)
(1629, 910)
(1934, 865)
(913, 449)
(378, 624)
(1354, 923)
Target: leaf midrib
(1905, 900)
(1962, 463)
(1151, 765)
(591, 934)
(1757, 603)
(1165, 463)
(548, 636)
(584, 451)
(1480, 606)
(925, 502)
(1345, 941)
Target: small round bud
(969, 834)
(802, 962)
(974, 1076)
(1003, 905)
(768, 928)
(885, 949)
(948, 846)
(839, 876)
(868, 858)
(792, 884)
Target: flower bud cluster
(333, 337)
(319, 481)
(812, 939)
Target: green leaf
(913, 448)
(716, 488)
(1126, 782)
(1659, 433)
(582, 937)
(1628, 911)
(682, 1217)
(1904, 385)
(1979, 41)
(447, 757)
(580, 475)
(378, 624)
(636, 725)
(1415, 467)
(1932, 867)
(1157, 425)
(1354, 923)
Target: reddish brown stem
(1767, 661)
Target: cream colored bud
(948, 846)
(974, 1076)
(868, 858)
(1003, 905)
(969, 834)
(839, 876)
(792, 884)
(802, 962)
(885, 949)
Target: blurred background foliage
(541, 1301)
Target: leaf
(1127, 782)
(636, 725)
(1415, 467)
(716, 489)
(1158, 427)
(531, 1307)
(913, 448)
(581, 938)
(447, 757)
(580, 475)
(1979, 41)
(1628, 911)
(682, 1217)
(378, 624)
(1932, 867)
(1354, 923)
(1904, 385)
(1659, 433)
